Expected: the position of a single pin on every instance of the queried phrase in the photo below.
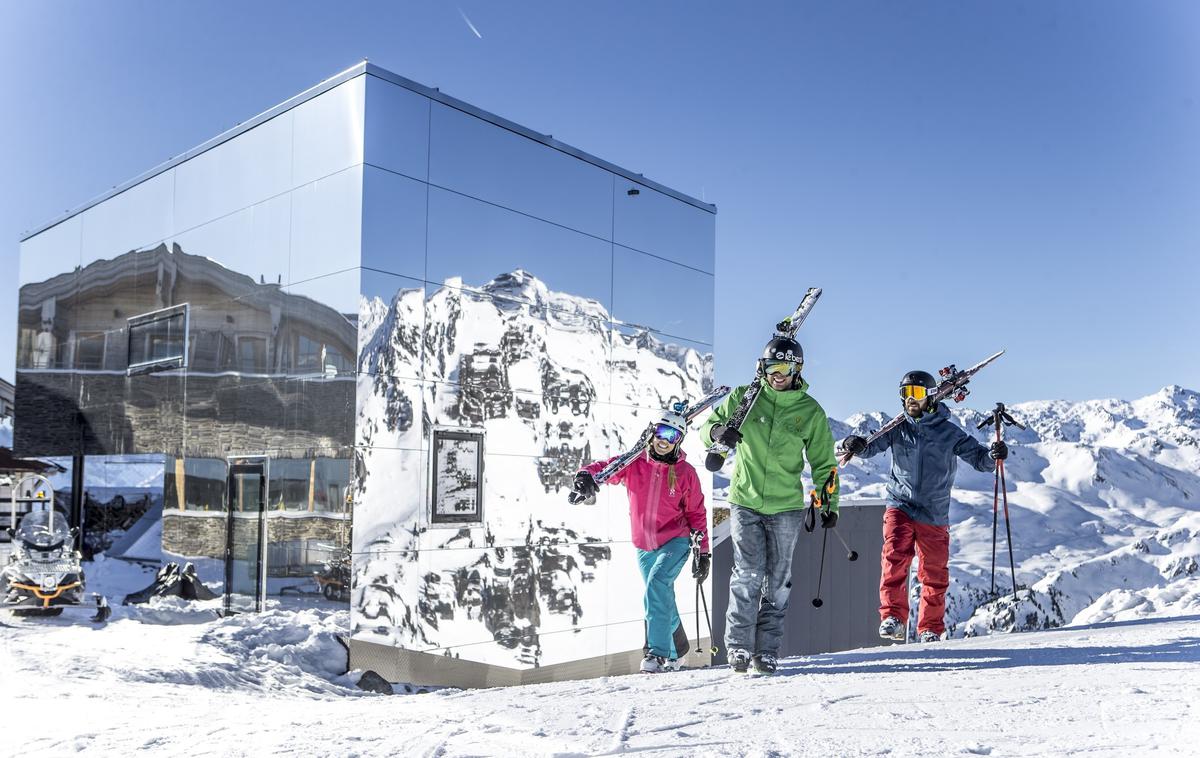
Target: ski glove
(854, 444)
(828, 519)
(998, 451)
(700, 566)
(726, 436)
(585, 484)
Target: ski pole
(700, 597)
(1008, 531)
(712, 643)
(817, 601)
(995, 516)
(999, 418)
(908, 602)
(851, 554)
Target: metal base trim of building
(436, 670)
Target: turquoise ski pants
(659, 569)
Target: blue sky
(959, 177)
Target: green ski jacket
(781, 430)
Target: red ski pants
(903, 536)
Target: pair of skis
(953, 386)
(689, 412)
(786, 328)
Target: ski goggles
(668, 433)
(785, 368)
(915, 391)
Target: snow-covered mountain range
(1104, 501)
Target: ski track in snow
(256, 685)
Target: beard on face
(915, 408)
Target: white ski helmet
(672, 418)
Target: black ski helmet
(920, 379)
(783, 349)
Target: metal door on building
(245, 537)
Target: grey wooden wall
(849, 616)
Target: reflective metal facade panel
(359, 271)
(523, 326)
(477, 158)
(245, 237)
(327, 132)
(397, 129)
(394, 223)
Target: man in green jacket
(766, 499)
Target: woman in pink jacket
(666, 506)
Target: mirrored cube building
(376, 331)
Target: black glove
(700, 566)
(726, 436)
(854, 444)
(998, 451)
(585, 484)
(828, 519)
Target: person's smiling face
(662, 447)
(780, 382)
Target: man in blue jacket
(917, 520)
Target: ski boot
(656, 664)
(928, 636)
(739, 660)
(892, 629)
(765, 664)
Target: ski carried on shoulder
(689, 412)
(786, 328)
(952, 386)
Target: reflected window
(252, 355)
(308, 355)
(457, 476)
(89, 350)
(158, 340)
(211, 351)
(336, 363)
(315, 357)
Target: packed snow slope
(1104, 506)
(267, 685)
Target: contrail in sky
(473, 29)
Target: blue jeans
(659, 569)
(762, 577)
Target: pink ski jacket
(665, 500)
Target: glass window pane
(489, 162)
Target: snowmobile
(44, 574)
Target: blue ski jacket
(924, 455)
